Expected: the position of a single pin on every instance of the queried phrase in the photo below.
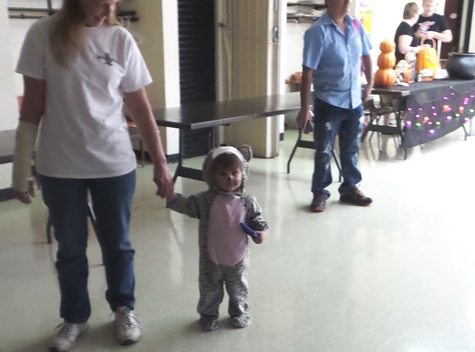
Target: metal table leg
(310, 145)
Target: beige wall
(8, 101)
(247, 58)
(157, 30)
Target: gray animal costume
(213, 275)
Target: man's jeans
(67, 201)
(331, 121)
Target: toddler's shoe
(208, 324)
(240, 321)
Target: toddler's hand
(171, 197)
(259, 239)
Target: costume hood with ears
(244, 153)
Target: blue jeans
(67, 201)
(331, 121)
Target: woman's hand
(163, 180)
(140, 111)
(418, 48)
(25, 196)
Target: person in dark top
(431, 25)
(405, 38)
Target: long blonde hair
(67, 33)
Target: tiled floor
(398, 276)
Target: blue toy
(249, 231)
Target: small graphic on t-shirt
(426, 25)
(108, 60)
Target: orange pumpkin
(387, 46)
(386, 60)
(427, 58)
(384, 77)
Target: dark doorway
(454, 14)
(468, 28)
(196, 21)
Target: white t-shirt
(83, 132)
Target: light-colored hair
(67, 34)
(410, 10)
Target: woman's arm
(192, 205)
(404, 45)
(33, 105)
(31, 112)
(140, 111)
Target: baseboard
(6, 194)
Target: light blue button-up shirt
(335, 58)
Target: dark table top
(419, 87)
(210, 114)
(202, 115)
(7, 144)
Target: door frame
(468, 25)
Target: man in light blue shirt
(336, 48)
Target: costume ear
(246, 151)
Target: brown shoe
(318, 203)
(356, 197)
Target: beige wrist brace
(25, 142)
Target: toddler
(224, 254)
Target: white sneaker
(65, 336)
(126, 326)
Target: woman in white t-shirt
(78, 67)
